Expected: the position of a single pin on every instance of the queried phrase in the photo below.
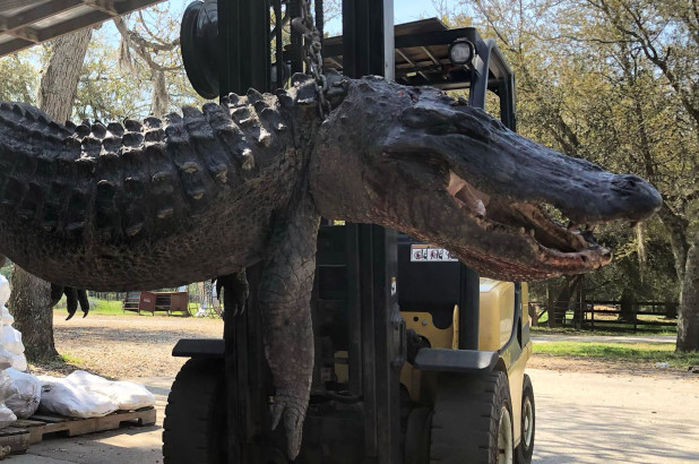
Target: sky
(404, 11)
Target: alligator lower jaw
(562, 247)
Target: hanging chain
(312, 56)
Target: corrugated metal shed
(24, 23)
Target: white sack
(5, 317)
(127, 395)
(11, 339)
(6, 359)
(23, 394)
(59, 396)
(11, 342)
(4, 290)
(19, 362)
(7, 417)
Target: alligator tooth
(522, 230)
(531, 232)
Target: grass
(113, 307)
(642, 353)
(544, 329)
(97, 306)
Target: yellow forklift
(418, 360)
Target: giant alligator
(157, 204)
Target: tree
(30, 299)
(617, 82)
(656, 43)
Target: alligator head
(418, 161)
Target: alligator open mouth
(528, 220)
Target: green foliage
(97, 306)
(641, 353)
(19, 77)
(140, 74)
(616, 82)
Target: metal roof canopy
(24, 23)
(422, 55)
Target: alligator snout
(636, 197)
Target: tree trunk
(688, 318)
(671, 310)
(628, 306)
(30, 299)
(561, 304)
(684, 250)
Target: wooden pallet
(33, 430)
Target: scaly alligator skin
(161, 203)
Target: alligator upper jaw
(561, 249)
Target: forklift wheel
(526, 445)
(472, 420)
(195, 422)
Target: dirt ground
(588, 412)
(126, 346)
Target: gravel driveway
(591, 418)
(586, 413)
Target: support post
(368, 48)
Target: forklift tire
(472, 420)
(194, 430)
(523, 454)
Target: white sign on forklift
(420, 253)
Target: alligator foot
(284, 298)
(293, 411)
(235, 292)
(74, 296)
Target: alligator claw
(84, 302)
(293, 411)
(71, 301)
(235, 292)
(73, 298)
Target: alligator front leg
(285, 296)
